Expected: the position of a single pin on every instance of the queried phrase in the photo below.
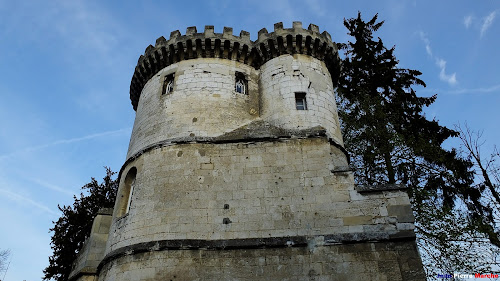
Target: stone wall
(288, 187)
(92, 252)
(382, 261)
(286, 75)
(203, 104)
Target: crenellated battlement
(297, 40)
(209, 44)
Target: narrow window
(240, 85)
(300, 101)
(126, 192)
(130, 196)
(168, 84)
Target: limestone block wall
(395, 261)
(92, 252)
(282, 188)
(282, 77)
(203, 103)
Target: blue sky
(65, 70)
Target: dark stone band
(256, 243)
(379, 188)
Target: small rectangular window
(300, 101)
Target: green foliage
(391, 141)
(73, 227)
(382, 117)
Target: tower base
(386, 260)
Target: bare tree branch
(4, 256)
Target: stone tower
(236, 171)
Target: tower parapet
(240, 48)
(192, 45)
(297, 40)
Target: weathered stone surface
(203, 89)
(358, 220)
(286, 75)
(275, 188)
(91, 277)
(362, 261)
(402, 212)
(270, 100)
(92, 253)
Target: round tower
(298, 74)
(184, 88)
(236, 168)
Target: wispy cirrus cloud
(448, 78)
(466, 91)
(23, 200)
(487, 22)
(52, 186)
(64, 141)
(85, 33)
(451, 79)
(485, 90)
(427, 43)
(468, 21)
(481, 24)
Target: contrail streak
(63, 141)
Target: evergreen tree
(391, 141)
(73, 227)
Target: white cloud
(428, 49)
(450, 79)
(467, 21)
(487, 21)
(424, 38)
